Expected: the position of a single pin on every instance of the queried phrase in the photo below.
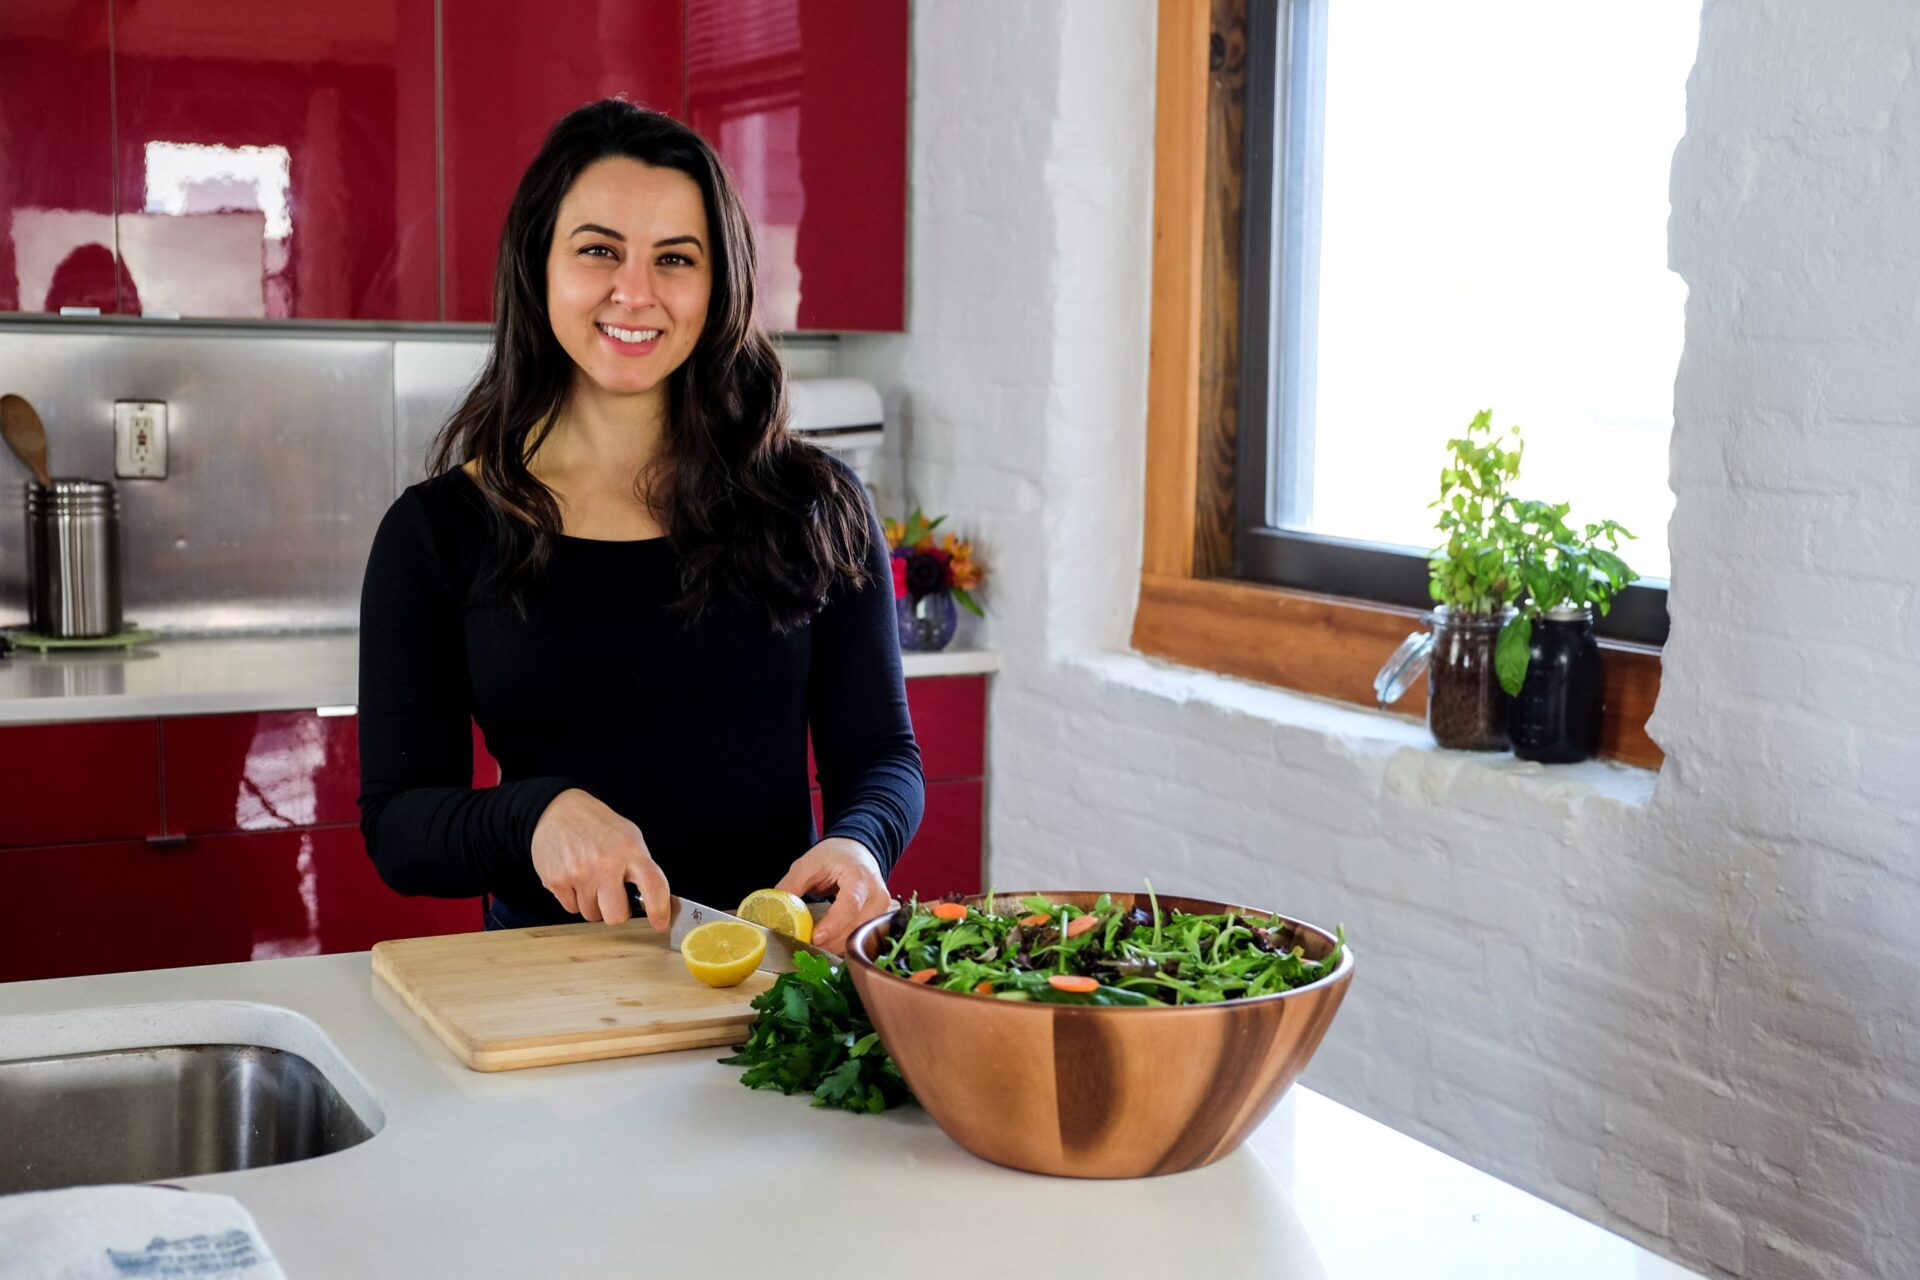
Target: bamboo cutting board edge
(725, 1025)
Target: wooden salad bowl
(1095, 1092)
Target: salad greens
(813, 1034)
(1108, 955)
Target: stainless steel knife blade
(689, 915)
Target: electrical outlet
(140, 439)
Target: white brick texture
(1688, 1011)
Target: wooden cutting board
(510, 998)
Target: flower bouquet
(930, 576)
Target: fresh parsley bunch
(813, 1034)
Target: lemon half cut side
(723, 952)
(780, 911)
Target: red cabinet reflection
(806, 101)
(260, 771)
(510, 70)
(56, 157)
(277, 160)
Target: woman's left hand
(848, 870)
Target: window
(1449, 208)
(1228, 344)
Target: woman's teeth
(630, 335)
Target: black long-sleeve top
(696, 733)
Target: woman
(637, 582)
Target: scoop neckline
(571, 537)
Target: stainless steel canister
(73, 558)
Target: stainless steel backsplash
(286, 447)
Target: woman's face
(628, 273)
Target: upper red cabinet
(276, 160)
(806, 101)
(354, 159)
(56, 157)
(511, 69)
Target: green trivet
(125, 638)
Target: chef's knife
(689, 915)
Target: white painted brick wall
(1691, 1013)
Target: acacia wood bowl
(1093, 1092)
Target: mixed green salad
(1105, 955)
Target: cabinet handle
(166, 842)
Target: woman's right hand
(586, 855)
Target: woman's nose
(633, 285)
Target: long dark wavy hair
(754, 513)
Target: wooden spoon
(25, 436)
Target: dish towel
(130, 1233)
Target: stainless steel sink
(143, 1115)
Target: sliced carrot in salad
(1073, 983)
(983, 988)
(1038, 917)
(1082, 924)
(949, 911)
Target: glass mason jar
(1556, 714)
(1466, 707)
(926, 622)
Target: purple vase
(926, 622)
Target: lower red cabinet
(90, 780)
(109, 907)
(143, 844)
(945, 856)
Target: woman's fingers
(613, 902)
(645, 873)
(861, 898)
(810, 874)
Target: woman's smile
(629, 342)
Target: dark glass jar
(1466, 707)
(1556, 714)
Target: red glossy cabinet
(806, 101)
(950, 725)
(309, 160)
(144, 844)
(511, 69)
(276, 160)
(56, 157)
(945, 857)
(94, 780)
(105, 908)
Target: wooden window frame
(1188, 613)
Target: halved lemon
(722, 953)
(780, 911)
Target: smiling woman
(644, 589)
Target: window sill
(1332, 647)
(1400, 745)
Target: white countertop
(202, 676)
(664, 1166)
